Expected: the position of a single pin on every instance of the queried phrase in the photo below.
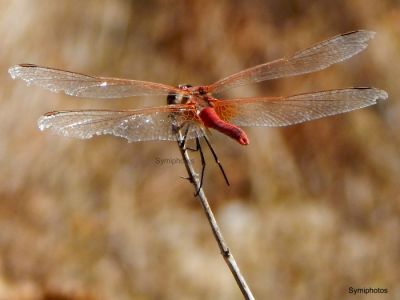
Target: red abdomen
(212, 120)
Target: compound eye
(171, 99)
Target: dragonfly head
(177, 99)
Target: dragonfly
(197, 109)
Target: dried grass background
(313, 209)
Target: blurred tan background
(313, 209)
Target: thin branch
(225, 252)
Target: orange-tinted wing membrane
(315, 58)
(283, 111)
(76, 84)
(133, 125)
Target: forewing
(76, 84)
(283, 111)
(315, 58)
(134, 125)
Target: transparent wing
(283, 111)
(315, 58)
(76, 84)
(134, 125)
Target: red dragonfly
(196, 106)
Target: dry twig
(225, 252)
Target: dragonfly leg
(217, 160)
(182, 139)
(203, 165)
(182, 144)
